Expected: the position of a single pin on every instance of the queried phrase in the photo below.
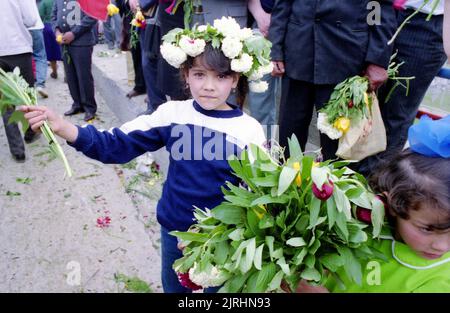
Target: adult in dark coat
(316, 45)
(78, 40)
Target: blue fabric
(431, 138)
(194, 178)
(40, 56)
(52, 48)
(267, 5)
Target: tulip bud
(186, 282)
(325, 193)
(298, 179)
(364, 215)
(350, 104)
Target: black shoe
(20, 157)
(73, 111)
(89, 117)
(31, 136)
(134, 93)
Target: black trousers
(24, 63)
(78, 68)
(139, 81)
(298, 99)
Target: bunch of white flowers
(258, 86)
(231, 47)
(192, 47)
(174, 55)
(210, 277)
(227, 26)
(326, 128)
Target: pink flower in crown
(399, 4)
(186, 282)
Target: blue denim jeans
(169, 254)
(113, 31)
(263, 106)
(40, 56)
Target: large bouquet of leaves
(351, 102)
(14, 90)
(296, 220)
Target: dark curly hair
(214, 59)
(410, 180)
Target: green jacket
(45, 10)
(403, 272)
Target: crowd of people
(315, 46)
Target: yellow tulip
(298, 179)
(112, 9)
(260, 215)
(59, 39)
(342, 124)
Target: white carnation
(192, 47)
(243, 64)
(231, 47)
(202, 28)
(259, 86)
(326, 128)
(211, 277)
(266, 69)
(174, 55)
(245, 33)
(255, 75)
(227, 26)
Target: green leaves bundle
(14, 90)
(296, 220)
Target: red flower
(399, 4)
(325, 193)
(350, 104)
(186, 282)
(364, 215)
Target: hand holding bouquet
(295, 220)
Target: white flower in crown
(260, 72)
(259, 86)
(211, 277)
(227, 26)
(174, 55)
(192, 47)
(245, 33)
(326, 128)
(243, 64)
(231, 47)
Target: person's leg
(108, 32)
(72, 80)
(329, 146)
(117, 28)
(296, 108)
(139, 82)
(13, 135)
(40, 57)
(54, 67)
(263, 106)
(82, 59)
(169, 254)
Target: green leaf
(18, 117)
(250, 254)
(319, 175)
(266, 199)
(190, 236)
(171, 35)
(302, 223)
(377, 216)
(341, 223)
(311, 274)
(253, 223)
(331, 212)
(269, 242)
(238, 201)
(266, 221)
(258, 257)
(235, 284)
(342, 202)
(295, 151)
(266, 181)
(351, 265)
(307, 163)
(287, 176)
(315, 246)
(229, 214)
(265, 276)
(299, 256)
(314, 211)
(310, 260)
(236, 166)
(332, 261)
(296, 242)
(284, 267)
(275, 283)
(237, 234)
(221, 252)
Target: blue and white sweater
(198, 141)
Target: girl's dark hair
(214, 59)
(412, 180)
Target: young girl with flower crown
(200, 134)
(416, 188)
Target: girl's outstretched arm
(37, 115)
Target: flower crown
(248, 51)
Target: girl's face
(210, 88)
(418, 234)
